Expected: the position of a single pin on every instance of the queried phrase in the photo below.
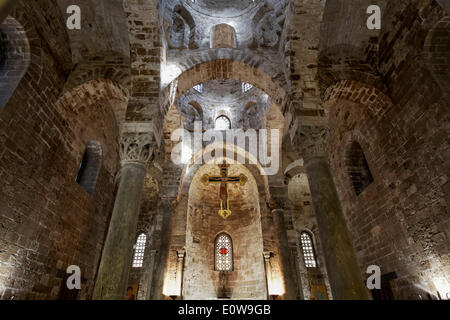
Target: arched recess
(357, 167)
(250, 116)
(15, 57)
(223, 69)
(436, 48)
(266, 27)
(177, 32)
(217, 69)
(90, 167)
(223, 36)
(347, 48)
(259, 61)
(201, 280)
(182, 30)
(193, 112)
(92, 110)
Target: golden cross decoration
(224, 180)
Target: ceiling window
(223, 123)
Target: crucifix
(224, 180)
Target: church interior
(89, 115)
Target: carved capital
(313, 141)
(181, 253)
(267, 255)
(136, 148)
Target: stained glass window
(199, 88)
(308, 250)
(139, 249)
(223, 253)
(246, 86)
(223, 123)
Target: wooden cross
(224, 180)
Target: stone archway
(223, 69)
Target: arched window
(223, 253)
(223, 123)
(139, 249)
(358, 169)
(14, 57)
(199, 88)
(90, 167)
(309, 255)
(246, 87)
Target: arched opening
(222, 123)
(358, 168)
(14, 57)
(90, 167)
(182, 30)
(223, 252)
(250, 117)
(308, 250)
(139, 250)
(246, 87)
(177, 32)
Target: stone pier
(343, 271)
(136, 151)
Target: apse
(224, 257)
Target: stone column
(267, 256)
(285, 256)
(135, 151)
(343, 270)
(6, 6)
(148, 279)
(179, 277)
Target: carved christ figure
(224, 180)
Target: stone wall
(48, 221)
(400, 221)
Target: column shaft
(343, 270)
(117, 253)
